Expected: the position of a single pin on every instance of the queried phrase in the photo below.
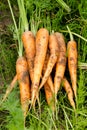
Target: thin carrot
(42, 37)
(69, 92)
(29, 46)
(61, 62)
(10, 88)
(49, 95)
(72, 62)
(54, 50)
(48, 86)
(49, 80)
(23, 79)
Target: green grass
(45, 13)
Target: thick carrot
(10, 88)
(23, 79)
(69, 92)
(54, 50)
(61, 62)
(72, 62)
(29, 46)
(42, 37)
(49, 95)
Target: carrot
(23, 79)
(49, 80)
(72, 62)
(42, 37)
(10, 88)
(29, 46)
(69, 91)
(49, 95)
(61, 62)
(50, 83)
(48, 86)
(54, 50)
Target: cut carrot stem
(23, 79)
(61, 62)
(42, 37)
(69, 92)
(29, 46)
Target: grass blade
(64, 5)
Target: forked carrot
(23, 79)
(69, 92)
(42, 37)
(10, 88)
(72, 62)
(54, 50)
(29, 46)
(61, 62)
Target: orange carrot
(23, 79)
(10, 88)
(49, 95)
(69, 92)
(29, 46)
(48, 86)
(49, 80)
(61, 62)
(72, 62)
(42, 37)
(54, 50)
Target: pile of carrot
(44, 65)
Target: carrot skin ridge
(24, 84)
